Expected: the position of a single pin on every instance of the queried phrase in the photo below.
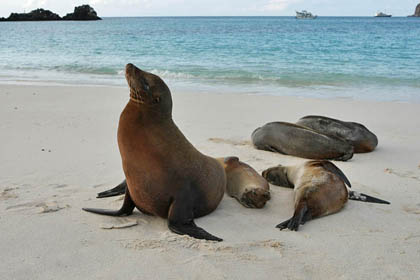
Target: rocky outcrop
(417, 11)
(38, 14)
(84, 12)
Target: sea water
(332, 57)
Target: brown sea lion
(296, 140)
(361, 138)
(244, 183)
(319, 187)
(166, 176)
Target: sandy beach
(59, 148)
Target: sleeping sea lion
(361, 138)
(166, 176)
(319, 187)
(244, 183)
(296, 140)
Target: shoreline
(306, 93)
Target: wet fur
(296, 140)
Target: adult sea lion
(361, 138)
(319, 188)
(296, 140)
(165, 175)
(244, 183)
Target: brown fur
(319, 189)
(244, 183)
(166, 176)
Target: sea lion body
(319, 189)
(361, 138)
(165, 175)
(244, 183)
(160, 164)
(296, 140)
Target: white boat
(380, 14)
(305, 15)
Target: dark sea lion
(165, 175)
(296, 140)
(244, 183)
(319, 187)
(361, 138)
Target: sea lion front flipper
(125, 210)
(366, 198)
(328, 165)
(180, 221)
(118, 190)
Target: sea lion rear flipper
(118, 190)
(366, 198)
(334, 169)
(180, 221)
(300, 216)
(125, 210)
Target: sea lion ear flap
(230, 160)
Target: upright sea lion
(361, 138)
(319, 187)
(244, 183)
(166, 176)
(296, 140)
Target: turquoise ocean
(330, 57)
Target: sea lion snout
(256, 198)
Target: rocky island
(84, 12)
(416, 11)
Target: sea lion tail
(118, 190)
(366, 198)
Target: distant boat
(305, 15)
(380, 14)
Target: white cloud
(278, 5)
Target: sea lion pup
(291, 139)
(361, 138)
(166, 176)
(244, 183)
(319, 187)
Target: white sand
(45, 235)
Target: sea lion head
(148, 89)
(277, 176)
(255, 197)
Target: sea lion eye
(156, 100)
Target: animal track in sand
(230, 141)
(412, 209)
(8, 193)
(38, 207)
(248, 251)
(406, 174)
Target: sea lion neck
(145, 112)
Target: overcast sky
(216, 7)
